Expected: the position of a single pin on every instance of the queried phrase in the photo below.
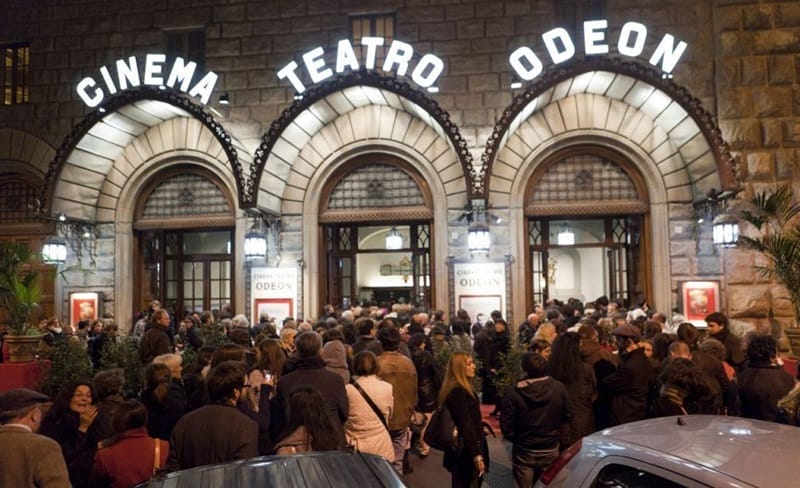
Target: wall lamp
(255, 240)
(714, 209)
(225, 98)
(479, 237)
(79, 236)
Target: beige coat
(29, 459)
(363, 428)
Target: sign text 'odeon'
(398, 58)
(561, 48)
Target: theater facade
(482, 155)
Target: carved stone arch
(299, 121)
(23, 153)
(105, 134)
(521, 107)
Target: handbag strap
(156, 455)
(371, 404)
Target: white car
(686, 451)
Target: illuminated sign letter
(592, 35)
(558, 56)
(345, 56)
(83, 92)
(109, 82)
(181, 72)
(204, 87)
(640, 33)
(372, 44)
(667, 53)
(314, 63)
(152, 69)
(288, 71)
(127, 73)
(534, 65)
(436, 65)
(400, 54)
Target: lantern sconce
(479, 237)
(714, 210)
(262, 224)
(79, 236)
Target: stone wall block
(453, 84)
(735, 103)
(780, 70)
(757, 17)
(229, 13)
(237, 29)
(499, 27)
(681, 248)
(459, 11)
(742, 134)
(271, 27)
(306, 24)
(730, 74)
(791, 133)
(469, 64)
(787, 14)
(453, 47)
(754, 70)
(485, 82)
(235, 80)
(781, 304)
(760, 165)
(736, 43)
(407, 32)
(471, 29)
(681, 266)
(787, 163)
(739, 266)
(468, 100)
(257, 44)
(775, 42)
(420, 14)
(437, 31)
(252, 62)
(517, 7)
(223, 47)
(771, 131)
(748, 301)
(796, 100)
(772, 101)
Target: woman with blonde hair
(457, 394)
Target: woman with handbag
(131, 456)
(469, 464)
(371, 402)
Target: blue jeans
(400, 442)
(529, 465)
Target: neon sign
(398, 60)
(560, 47)
(127, 76)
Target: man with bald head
(679, 349)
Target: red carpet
(493, 421)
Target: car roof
(753, 451)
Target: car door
(622, 472)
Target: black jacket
(78, 447)
(427, 380)
(161, 418)
(760, 388)
(466, 413)
(629, 387)
(533, 412)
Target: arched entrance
(184, 230)
(375, 223)
(586, 208)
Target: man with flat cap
(627, 389)
(28, 459)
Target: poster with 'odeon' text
(480, 288)
(273, 293)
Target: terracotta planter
(22, 349)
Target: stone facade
(743, 66)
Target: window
(570, 14)
(16, 74)
(619, 476)
(380, 25)
(189, 45)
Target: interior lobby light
(255, 245)
(54, 251)
(394, 240)
(566, 237)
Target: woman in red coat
(132, 457)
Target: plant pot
(22, 349)
(793, 336)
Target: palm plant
(773, 215)
(19, 288)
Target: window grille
(189, 45)
(15, 76)
(18, 202)
(380, 25)
(584, 177)
(377, 185)
(183, 195)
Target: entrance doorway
(378, 264)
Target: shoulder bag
(442, 433)
(371, 404)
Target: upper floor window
(189, 44)
(570, 14)
(376, 25)
(15, 76)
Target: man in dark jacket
(718, 329)
(156, 341)
(533, 412)
(627, 389)
(366, 337)
(762, 383)
(309, 369)
(218, 432)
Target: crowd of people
(369, 379)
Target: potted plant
(19, 298)
(773, 214)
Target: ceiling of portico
(619, 106)
(87, 169)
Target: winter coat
(582, 394)
(364, 430)
(533, 412)
(30, 459)
(465, 411)
(761, 385)
(334, 353)
(77, 447)
(628, 388)
(161, 419)
(399, 371)
(155, 342)
(129, 461)
(427, 380)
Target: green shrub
(124, 353)
(68, 363)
